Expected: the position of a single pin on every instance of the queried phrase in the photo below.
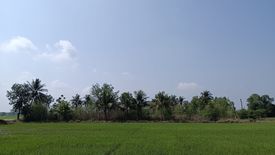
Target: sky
(179, 46)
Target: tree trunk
(140, 114)
(105, 114)
(18, 114)
(126, 116)
(137, 112)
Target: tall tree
(262, 105)
(219, 107)
(105, 98)
(163, 103)
(63, 108)
(19, 98)
(140, 102)
(49, 100)
(205, 98)
(126, 102)
(173, 100)
(181, 100)
(87, 100)
(37, 91)
(76, 101)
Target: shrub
(243, 114)
(38, 112)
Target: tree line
(32, 101)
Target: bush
(243, 114)
(256, 114)
(80, 113)
(64, 111)
(38, 113)
(211, 113)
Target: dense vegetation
(105, 103)
(137, 138)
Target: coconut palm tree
(76, 101)
(105, 98)
(205, 98)
(140, 102)
(37, 91)
(126, 103)
(163, 103)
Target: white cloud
(62, 51)
(188, 86)
(17, 44)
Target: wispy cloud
(17, 44)
(62, 51)
(188, 86)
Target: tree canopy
(32, 101)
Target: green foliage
(126, 103)
(23, 98)
(32, 101)
(105, 98)
(80, 113)
(19, 98)
(76, 101)
(88, 101)
(37, 92)
(38, 113)
(260, 106)
(219, 108)
(204, 100)
(163, 104)
(61, 110)
(192, 108)
(243, 114)
(140, 101)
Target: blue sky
(179, 46)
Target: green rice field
(137, 138)
(8, 117)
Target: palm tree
(37, 91)
(206, 97)
(140, 102)
(87, 100)
(163, 103)
(126, 103)
(105, 98)
(76, 101)
(181, 100)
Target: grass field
(137, 138)
(8, 117)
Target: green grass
(137, 138)
(8, 117)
